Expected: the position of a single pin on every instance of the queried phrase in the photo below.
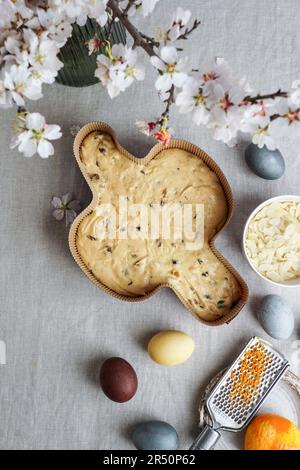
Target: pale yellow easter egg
(170, 347)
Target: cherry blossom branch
(138, 39)
(128, 6)
(215, 98)
(110, 25)
(150, 40)
(169, 101)
(187, 32)
(270, 96)
(149, 44)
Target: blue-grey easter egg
(155, 435)
(265, 163)
(276, 317)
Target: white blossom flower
(226, 125)
(118, 71)
(172, 70)
(78, 10)
(193, 100)
(73, 10)
(145, 6)
(222, 97)
(179, 23)
(8, 12)
(257, 123)
(94, 44)
(58, 27)
(289, 116)
(65, 207)
(43, 54)
(260, 130)
(222, 87)
(97, 10)
(16, 49)
(263, 137)
(257, 115)
(35, 136)
(14, 11)
(220, 74)
(130, 70)
(178, 26)
(103, 73)
(19, 82)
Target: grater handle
(206, 440)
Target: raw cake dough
(135, 267)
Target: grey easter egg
(155, 435)
(276, 317)
(265, 163)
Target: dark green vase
(79, 66)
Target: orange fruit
(272, 432)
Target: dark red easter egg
(118, 379)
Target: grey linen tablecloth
(56, 324)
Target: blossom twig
(270, 96)
(150, 40)
(110, 25)
(33, 34)
(128, 6)
(187, 32)
(132, 30)
(169, 101)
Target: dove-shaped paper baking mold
(116, 253)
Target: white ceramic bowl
(290, 283)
